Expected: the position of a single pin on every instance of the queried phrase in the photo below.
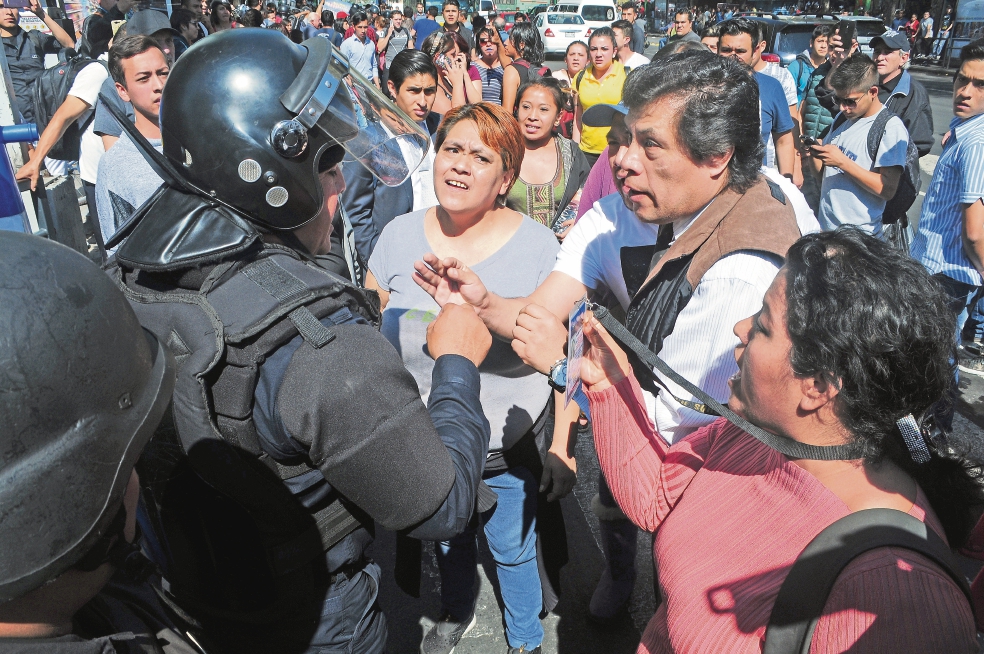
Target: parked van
(596, 13)
(487, 8)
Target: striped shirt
(957, 180)
(491, 83)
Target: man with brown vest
(687, 248)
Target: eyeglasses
(850, 103)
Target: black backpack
(50, 90)
(527, 73)
(805, 591)
(909, 182)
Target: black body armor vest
(236, 542)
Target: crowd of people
(338, 297)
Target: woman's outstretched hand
(603, 363)
(450, 281)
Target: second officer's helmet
(82, 388)
(251, 118)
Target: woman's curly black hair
(870, 320)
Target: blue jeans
(961, 297)
(973, 327)
(510, 531)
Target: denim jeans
(961, 298)
(973, 327)
(510, 532)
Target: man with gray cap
(686, 248)
(82, 390)
(902, 94)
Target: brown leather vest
(759, 220)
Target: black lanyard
(782, 444)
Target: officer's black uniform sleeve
(357, 411)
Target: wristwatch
(558, 375)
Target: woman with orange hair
(479, 152)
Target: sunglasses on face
(850, 103)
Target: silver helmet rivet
(270, 177)
(125, 402)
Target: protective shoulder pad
(278, 284)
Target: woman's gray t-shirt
(513, 394)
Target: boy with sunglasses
(854, 188)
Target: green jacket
(815, 117)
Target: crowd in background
(780, 193)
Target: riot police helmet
(82, 388)
(252, 119)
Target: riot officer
(294, 425)
(82, 388)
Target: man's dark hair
(683, 45)
(628, 4)
(452, 3)
(357, 18)
(253, 18)
(126, 48)
(685, 12)
(396, 11)
(720, 108)
(623, 26)
(821, 30)
(328, 18)
(857, 73)
(410, 63)
(181, 17)
(712, 32)
(432, 12)
(870, 320)
(972, 51)
(742, 25)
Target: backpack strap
(877, 133)
(804, 593)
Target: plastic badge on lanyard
(575, 350)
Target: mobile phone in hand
(848, 31)
(17, 4)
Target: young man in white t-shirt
(140, 69)
(855, 189)
(623, 38)
(78, 106)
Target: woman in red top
(852, 336)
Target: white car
(558, 30)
